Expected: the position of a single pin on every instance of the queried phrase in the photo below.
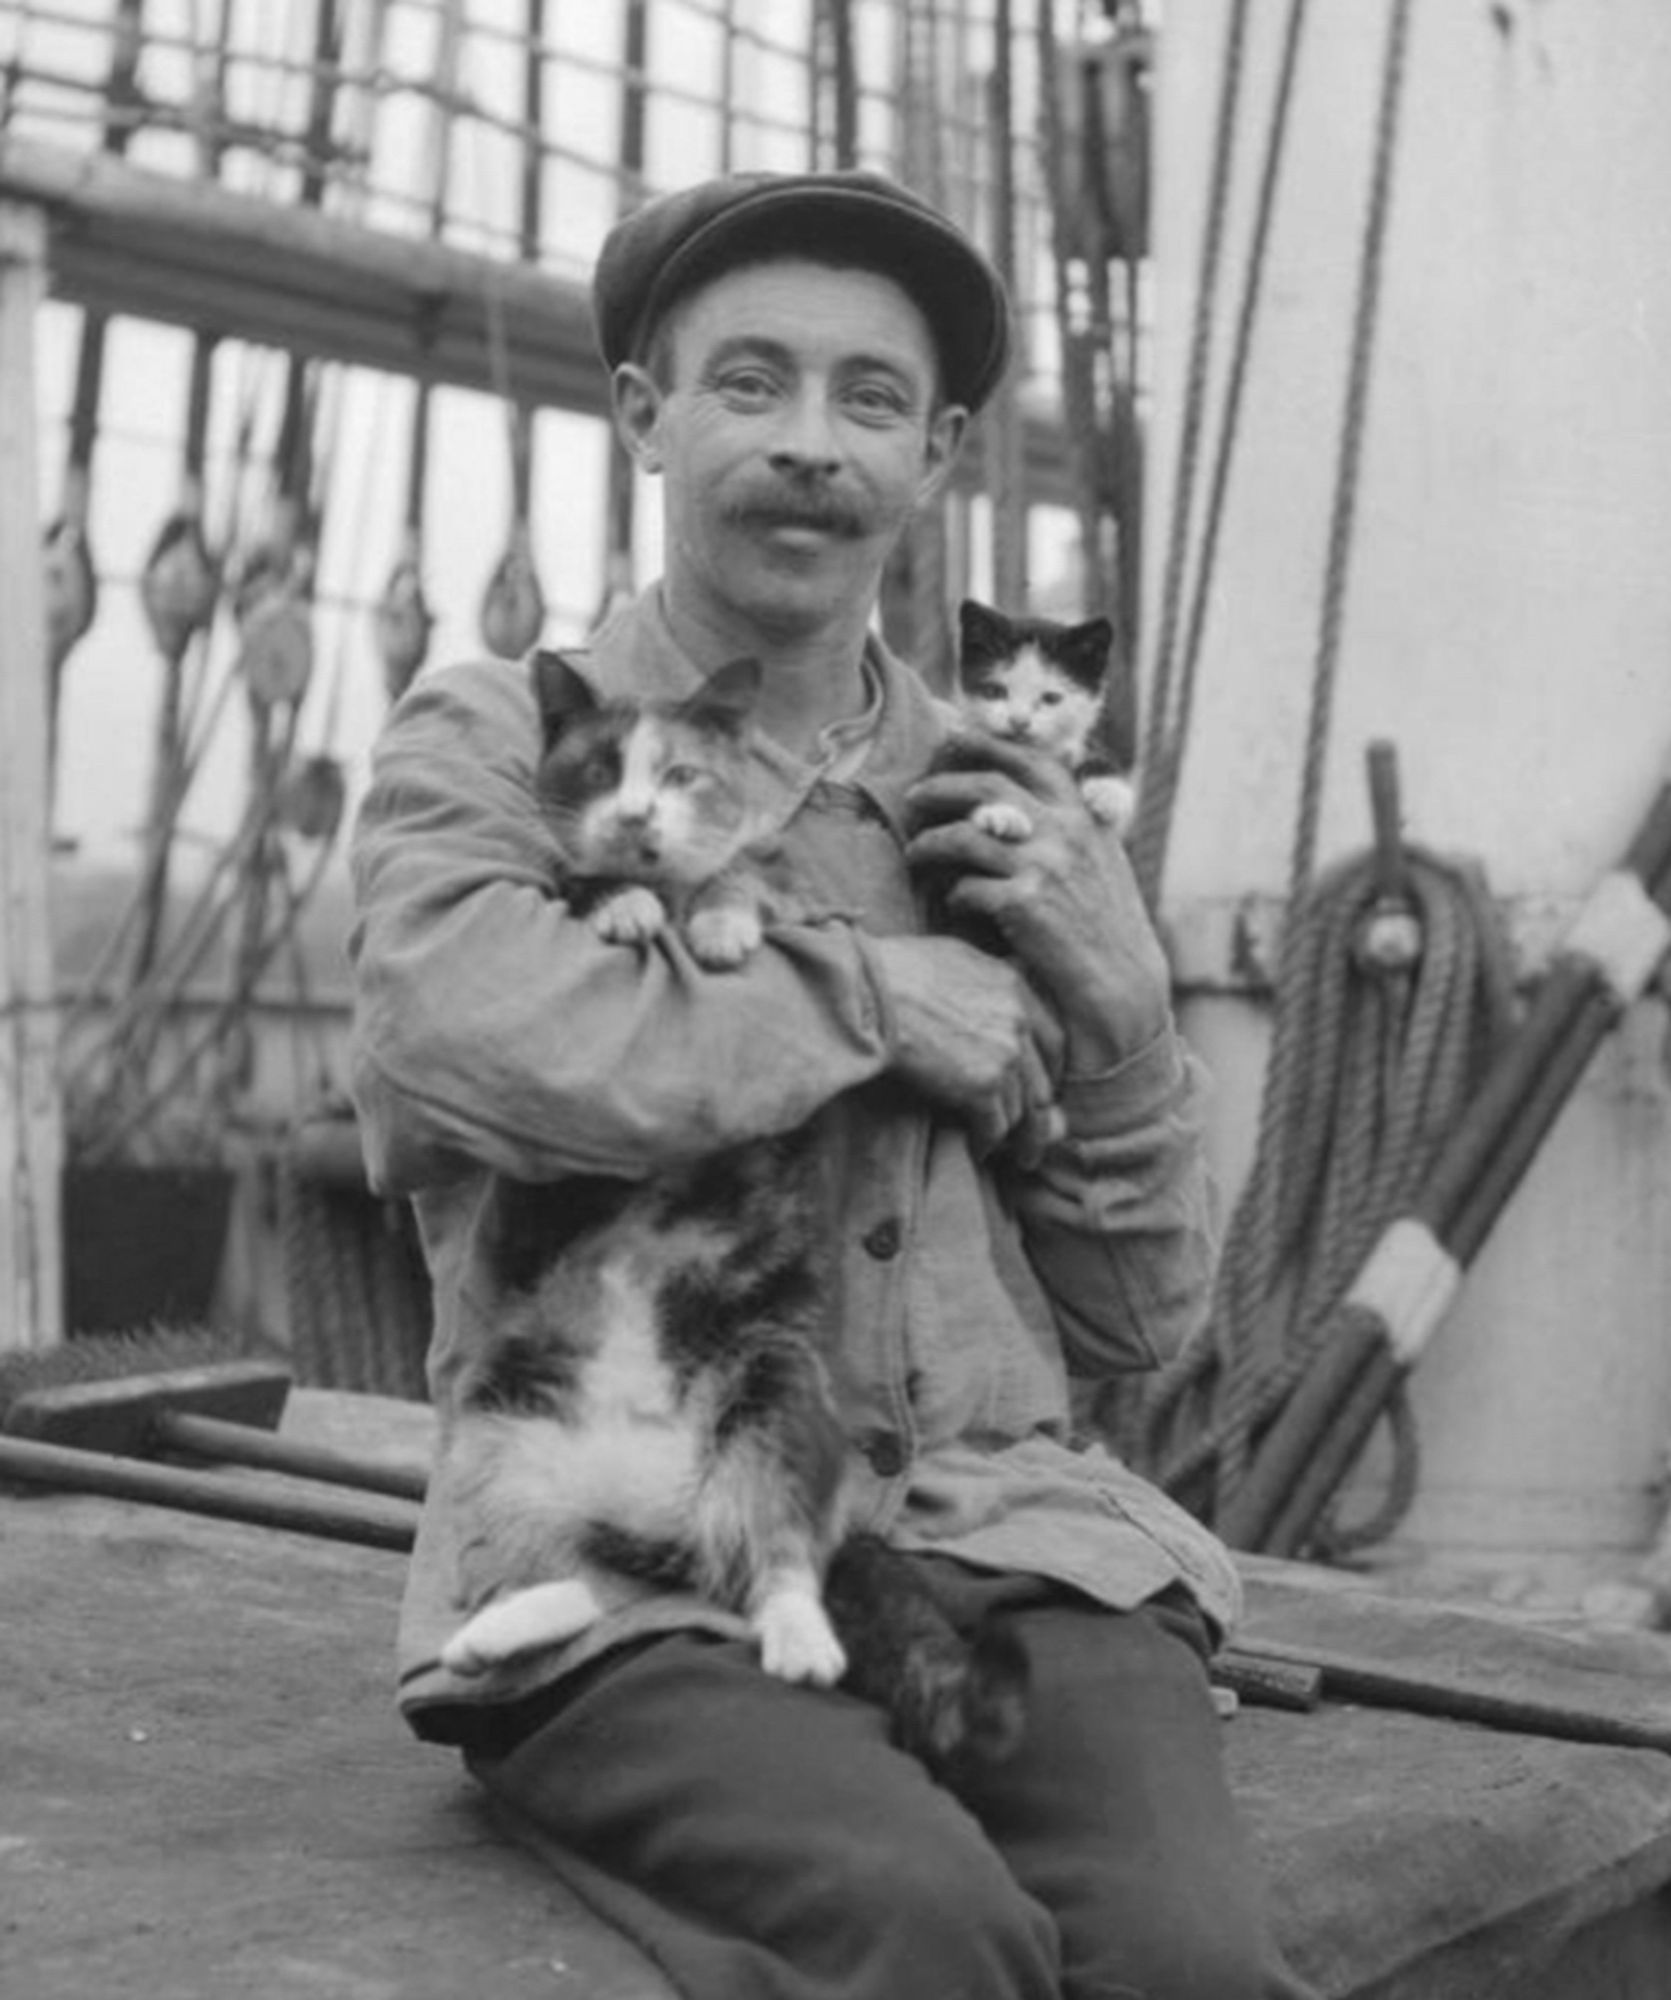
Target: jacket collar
(636, 654)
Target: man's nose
(806, 438)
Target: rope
(356, 1290)
(1161, 776)
(1079, 393)
(1145, 859)
(916, 583)
(1343, 513)
(1366, 1070)
(1382, 1066)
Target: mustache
(827, 513)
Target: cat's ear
(982, 633)
(562, 695)
(727, 698)
(1086, 649)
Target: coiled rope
(1372, 1067)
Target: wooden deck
(208, 1794)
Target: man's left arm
(1118, 1212)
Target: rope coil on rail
(1369, 1070)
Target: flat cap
(676, 242)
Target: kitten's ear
(562, 695)
(726, 699)
(982, 632)
(1088, 648)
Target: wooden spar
(31, 1126)
(161, 247)
(187, 254)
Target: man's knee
(1188, 1955)
(950, 1919)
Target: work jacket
(496, 1034)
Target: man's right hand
(973, 1037)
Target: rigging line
(1167, 771)
(352, 190)
(1189, 442)
(845, 59)
(372, 456)
(620, 488)
(528, 241)
(1009, 494)
(727, 86)
(1078, 391)
(1248, 1271)
(1343, 513)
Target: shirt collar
(882, 749)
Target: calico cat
(653, 812)
(1057, 688)
(655, 1409)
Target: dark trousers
(766, 1842)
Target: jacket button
(886, 1452)
(884, 1240)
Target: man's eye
(876, 399)
(747, 384)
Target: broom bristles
(103, 1357)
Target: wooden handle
(373, 1524)
(242, 1444)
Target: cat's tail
(949, 1699)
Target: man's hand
(1064, 899)
(973, 1038)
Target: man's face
(797, 428)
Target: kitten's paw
(796, 1640)
(630, 916)
(1111, 801)
(723, 937)
(1003, 820)
(544, 1615)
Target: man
(1015, 1139)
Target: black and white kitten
(1056, 688)
(655, 1407)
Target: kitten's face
(1026, 699)
(653, 793)
(1032, 681)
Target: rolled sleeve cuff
(1138, 1091)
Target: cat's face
(651, 792)
(1031, 680)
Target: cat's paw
(797, 1642)
(1111, 801)
(724, 936)
(631, 916)
(1003, 820)
(544, 1615)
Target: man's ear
(946, 432)
(638, 401)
